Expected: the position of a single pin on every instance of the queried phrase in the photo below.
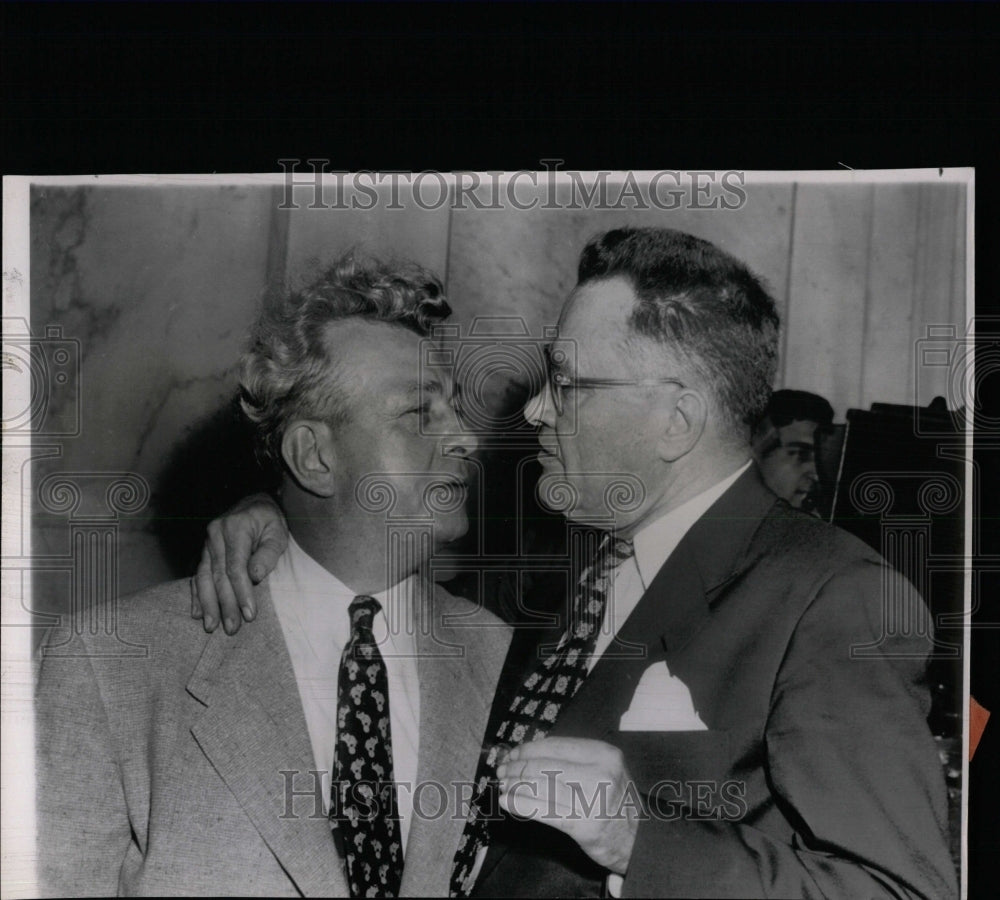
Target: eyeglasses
(559, 382)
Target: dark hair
(701, 302)
(787, 406)
(287, 372)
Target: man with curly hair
(316, 753)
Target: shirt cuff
(615, 884)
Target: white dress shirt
(312, 607)
(653, 545)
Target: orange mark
(978, 716)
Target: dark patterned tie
(363, 793)
(534, 711)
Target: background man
(704, 727)
(206, 767)
(785, 444)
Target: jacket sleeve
(849, 760)
(83, 826)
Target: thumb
(273, 544)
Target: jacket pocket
(655, 757)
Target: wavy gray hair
(287, 372)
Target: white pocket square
(662, 702)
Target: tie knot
(620, 550)
(362, 611)
(614, 552)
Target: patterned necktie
(534, 711)
(363, 793)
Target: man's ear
(683, 426)
(766, 439)
(307, 448)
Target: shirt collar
(656, 541)
(317, 593)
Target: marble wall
(160, 283)
(158, 286)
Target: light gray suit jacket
(164, 774)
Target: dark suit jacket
(817, 774)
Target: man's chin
(449, 530)
(798, 499)
(556, 493)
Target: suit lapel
(252, 730)
(676, 606)
(457, 666)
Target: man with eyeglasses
(702, 727)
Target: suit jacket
(188, 771)
(816, 776)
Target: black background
(178, 88)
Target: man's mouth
(547, 452)
(803, 497)
(448, 493)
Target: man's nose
(463, 442)
(540, 410)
